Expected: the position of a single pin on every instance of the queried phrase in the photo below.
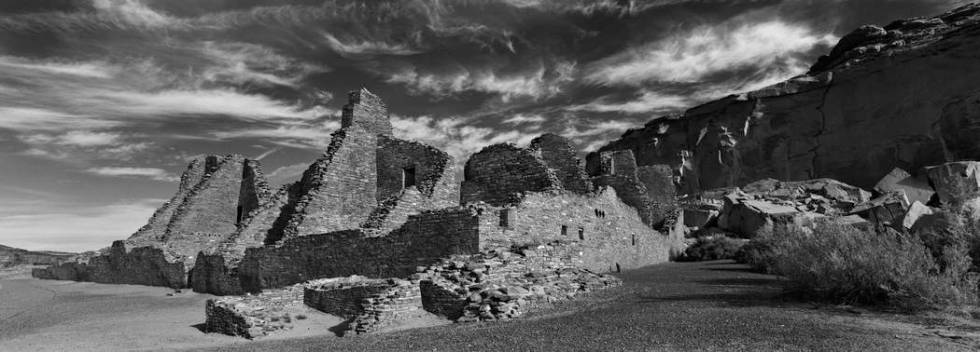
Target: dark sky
(103, 102)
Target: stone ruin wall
(611, 234)
(370, 305)
(559, 155)
(338, 191)
(139, 266)
(500, 173)
(649, 189)
(201, 215)
(423, 239)
(887, 97)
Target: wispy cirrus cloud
(696, 55)
(355, 48)
(140, 172)
(543, 82)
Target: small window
(505, 218)
(634, 239)
(581, 234)
(564, 230)
(408, 177)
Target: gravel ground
(713, 306)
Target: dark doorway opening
(408, 177)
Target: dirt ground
(714, 306)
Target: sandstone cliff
(904, 95)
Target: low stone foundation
(254, 316)
(140, 266)
(370, 304)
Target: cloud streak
(698, 54)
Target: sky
(104, 102)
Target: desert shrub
(712, 248)
(759, 253)
(841, 263)
(950, 229)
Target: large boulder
(898, 180)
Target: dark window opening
(564, 230)
(618, 268)
(505, 218)
(634, 239)
(581, 234)
(408, 177)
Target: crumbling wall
(612, 235)
(337, 192)
(429, 166)
(253, 192)
(649, 189)
(423, 239)
(216, 270)
(156, 228)
(501, 173)
(370, 305)
(560, 155)
(367, 111)
(141, 266)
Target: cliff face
(904, 95)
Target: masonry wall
(648, 189)
(501, 173)
(140, 266)
(156, 228)
(367, 111)
(612, 235)
(211, 206)
(423, 239)
(338, 191)
(560, 155)
(430, 166)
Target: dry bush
(712, 248)
(841, 263)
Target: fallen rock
(885, 210)
(916, 211)
(899, 180)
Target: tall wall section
(650, 189)
(201, 215)
(501, 173)
(884, 98)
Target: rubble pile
(506, 283)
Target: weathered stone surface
(882, 101)
(886, 210)
(502, 173)
(915, 212)
(500, 284)
(899, 180)
(370, 305)
(956, 183)
(203, 213)
(649, 189)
